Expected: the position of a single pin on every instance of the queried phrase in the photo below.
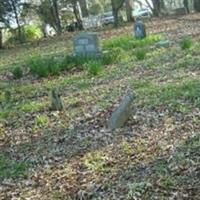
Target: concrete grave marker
(139, 29)
(56, 102)
(87, 44)
(163, 44)
(122, 113)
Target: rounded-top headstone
(139, 29)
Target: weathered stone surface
(163, 44)
(87, 44)
(122, 113)
(139, 29)
(180, 11)
(56, 102)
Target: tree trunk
(77, 15)
(17, 21)
(115, 13)
(186, 5)
(56, 15)
(158, 5)
(1, 38)
(197, 5)
(129, 11)
(84, 8)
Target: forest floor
(71, 154)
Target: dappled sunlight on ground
(71, 154)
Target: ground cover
(72, 155)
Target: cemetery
(103, 114)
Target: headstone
(87, 44)
(122, 113)
(180, 11)
(139, 29)
(163, 44)
(56, 102)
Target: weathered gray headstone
(56, 102)
(87, 44)
(139, 29)
(122, 113)
(180, 11)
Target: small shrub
(121, 41)
(167, 182)
(137, 188)
(112, 56)
(71, 61)
(94, 67)
(32, 32)
(53, 66)
(44, 66)
(68, 62)
(108, 58)
(127, 42)
(80, 61)
(11, 168)
(140, 54)
(38, 67)
(186, 43)
(17, 72)
(42, 120)
(96, 161)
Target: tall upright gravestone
(139, 29)
(87, 44)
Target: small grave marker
(163, 44)
(56, 102)
(122, 113)
(139, 29)
(87, 44)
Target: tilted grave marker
(122, 113)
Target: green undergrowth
(181, 96)
(12, 169)
(12, 110)
(128, 42)
(17, 72)
(186, 43)
(114, 50)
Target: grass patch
(174, 95)
(94, 67)
(137, 189)
(96, 161)
(167, 182)
(17, 110)
(190, 62)
(140, 54)
(186, 43)
(31, 106)
(44, 66)
(115, 49)
(128, 42)
(17, 72)
(12, 169)
(42, 120)
(49, 66)
(113, 55)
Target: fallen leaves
(72, 154)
